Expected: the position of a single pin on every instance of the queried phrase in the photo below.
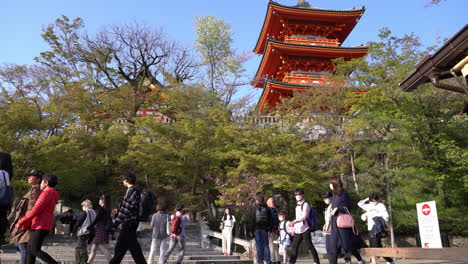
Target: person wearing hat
(18, 235)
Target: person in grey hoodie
(161, 230)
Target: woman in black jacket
(101, 225)
(342, 240)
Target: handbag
(346, 220)
(221, 225)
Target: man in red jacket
(40, 220)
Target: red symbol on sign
(426, 209)
(426, 245)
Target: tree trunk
(389, 201)
(353, 170)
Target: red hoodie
(41, 215)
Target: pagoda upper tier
(329, 27)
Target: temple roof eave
(357, 11)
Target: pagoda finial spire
(302, 3)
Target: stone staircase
(62, 248)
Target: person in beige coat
(18, 235)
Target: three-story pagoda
(298, 44)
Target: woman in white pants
(228, 224)
(161, 231)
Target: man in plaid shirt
(127, 218)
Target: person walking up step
(25, 205)
(40, 220)
(178, 222)
(160, 223)
(262, 223)
(101, 225)
(127, 219)
(302, 230)
(84, 232)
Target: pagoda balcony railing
(305, 78)
(311, 40)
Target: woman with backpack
(101, 225)
(228, 224)
(376, 217)
(343, 240)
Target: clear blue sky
(21, 22)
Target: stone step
(6, 259)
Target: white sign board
(428, 225)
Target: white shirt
(373, 209)
(229, 222)
(327, 214)
(302, 212)
(283, 233)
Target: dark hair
(373, 197)
(179, 207)
(283, 213)
(130, 177)
(107, 203)
(230, 214)
(327, 195)
(259, 197)
(6, 164)
(51, 180)
(37, 173)
(161, 207)
(337, 185)
(299, 190)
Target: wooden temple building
(298, 44)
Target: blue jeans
(261, 243)
(22, 248)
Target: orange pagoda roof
(277, 52)
(316, 21)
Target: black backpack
(146, 204)
(261, 216)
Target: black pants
(81, 250)
(297, 242)
(128, 241)
(3, 225)
(34, 247)
(377, 243)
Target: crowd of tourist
(277, 236)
